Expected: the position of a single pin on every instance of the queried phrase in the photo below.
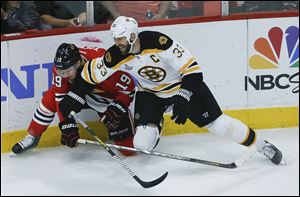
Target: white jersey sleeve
(95, 71)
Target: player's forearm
(164, 8)
(110, 6)
(55, 22)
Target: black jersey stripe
(193, 64)
(42, 120)
(104, 101)
(171, 86)
(44, 115)
(90, 71)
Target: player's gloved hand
(113, 115)
(180, 103)
(71, 102)
(119, 133)
(69, 133)
(123, 130)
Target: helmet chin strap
(131, 44)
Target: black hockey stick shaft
(231, 165)
(116, 157)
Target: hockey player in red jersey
(109, 92)
(69, 61)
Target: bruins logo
(163, 40)
(151, 73)
(108, 57)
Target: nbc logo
(269, 49)
(276, 51)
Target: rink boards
(250, 65)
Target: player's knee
(146, 137)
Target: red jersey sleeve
(60, 87)
(120, 86)
(91, 53)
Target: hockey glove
(180, 103)
(118, 134)
(71, 102)
(113, 115)
(124, 129)
(69, 133)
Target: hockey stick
(231, 165)
(116, 157)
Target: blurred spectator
(235, 6)
(78, 8)
(18, 16)
(101, 14)
(139, 10)
(291, 5)
(256, 6)
(181, 9)
(57, 15)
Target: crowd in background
(19, 16)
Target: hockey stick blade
(245, 157)
(151, 183)
(116, 157)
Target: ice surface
(90, 170)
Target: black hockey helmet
(66, 56)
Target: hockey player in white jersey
(169, 75)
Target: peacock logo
(276, 51)
(269, 49)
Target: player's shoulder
(89, 53)
(113, 56)
(95, 71)
(155, 40)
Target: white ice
(90, 170)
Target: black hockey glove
(119, 133)
(113, 115)
(75, 99)
(180, 103)
(123, 130)
(69, 133)
(71, 102)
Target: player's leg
(123, 134)
(149, 110)
(206, 112)
(42, 118)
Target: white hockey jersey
(160, 65)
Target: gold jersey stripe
(187, 64)
(162, 86)
(124, 61)
(247, 136)
(86, 73)
(98, 91)
(146, 51)
(94, 78)
(172, 90)
(191, 70)
(162, 92)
